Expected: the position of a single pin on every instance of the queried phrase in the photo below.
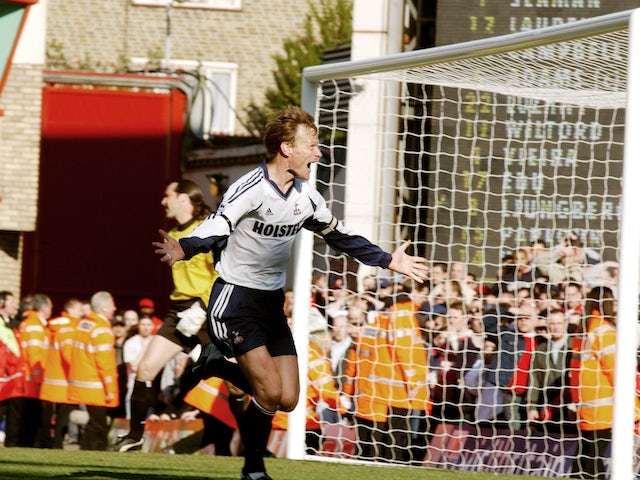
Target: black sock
(238, 404)
(227, 370)
(255, 429)
(141, 402)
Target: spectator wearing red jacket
(11, 363)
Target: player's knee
(288, 401)
(267, 395)
(288, 406)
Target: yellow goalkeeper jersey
(192, 278)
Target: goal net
(502, 161)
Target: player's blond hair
(284, 126)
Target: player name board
(463, 20)
(521, 169)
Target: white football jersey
(252, 233)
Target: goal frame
(629, 245)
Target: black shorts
(241, 319)
(168, 329)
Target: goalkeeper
(251, 237)
(183, 328)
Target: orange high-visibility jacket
(33, 346)
(11, 363)
(320, 386)
(372, 377)
(592, 371)
(409, 353)
(93, 373)
(212, 396)
(55, 385)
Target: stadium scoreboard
(463, 20)
(516, 158)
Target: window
(214, 94)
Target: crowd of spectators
(395, 360)
(496, 353)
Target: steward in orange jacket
(33, 341)
(211, 396)
(372, 378)
(93, 374)
(592, 369)
(54, 392)
(591, 375)
(386, 374)
(321, 385)
(409, 352)
(33, 345)
(55, 385)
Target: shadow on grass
(33, 464)
(101, 474)
(87, 473)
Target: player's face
(304, 152)
(170, 200)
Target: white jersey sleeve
(342, 238)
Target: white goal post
(482, 148)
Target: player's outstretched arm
(413, 267)
(169, 249)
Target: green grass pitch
(36, 464)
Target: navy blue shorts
(241, 319)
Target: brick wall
(10, 261)
(105, 32)
(19, 162)
(20, 147)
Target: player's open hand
(169, 249)
(413, 267)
